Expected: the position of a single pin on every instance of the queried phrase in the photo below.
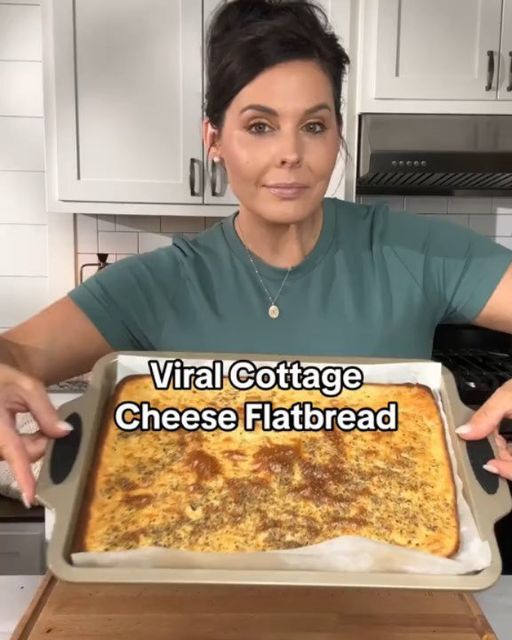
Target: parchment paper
(345, 553)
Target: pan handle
(489, 492)
(65, 450)
(60, 460)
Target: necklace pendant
(273, 311)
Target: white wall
(40, 258)
(23, 219)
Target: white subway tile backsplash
(491, 225)
(87, 271)
(186, 236)
(118, 242)
(122, 236)
(20, 32)
(88, 258)
(426, 204)
(485, 225)
(23, 250)
(86, 233)
(502, 205)
(151, 241)
(395, 203)
(129, 235)
(477, 213)
(172, 224)
(22, 198)
(506, 242)
(455, 219)
(25, 297)
(458, 204)
(106, 223)
(85, 258)
(138, 223)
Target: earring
(216, 158)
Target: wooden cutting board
(63, 610)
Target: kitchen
(86, 178)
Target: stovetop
(478, 373)
(480, 360)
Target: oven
(481, 361)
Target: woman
(292, 272)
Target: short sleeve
(456, 268)
(467, 277)
(124, 300)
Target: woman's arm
(497, 313)
(57, 343)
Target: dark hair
(245, 37)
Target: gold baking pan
(67, 462)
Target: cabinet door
(338, 13)
(505, 79)
(438, 49)
(127, 83)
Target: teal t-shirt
(376, 284)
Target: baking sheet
(345, 553)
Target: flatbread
(267, 490)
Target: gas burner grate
(477, 373)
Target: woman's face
(280, 128)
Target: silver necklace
(273, 310)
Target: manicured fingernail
(463, 429)
(490, 467)
(65, 426)
(25, 500)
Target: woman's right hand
(20, 393)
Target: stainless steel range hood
(435, 154)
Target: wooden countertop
(191, 612)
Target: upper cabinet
(444, 50)
(505, 76)
(123, 84)
(123, 92)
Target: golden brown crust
(262, 490)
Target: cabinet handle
(490, 70)
(216, 171)
(509, 88)
(192, 177)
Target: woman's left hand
(485, 421)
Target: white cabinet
(123, 91)
(127, 100)
(443, 49)
(505, 74)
